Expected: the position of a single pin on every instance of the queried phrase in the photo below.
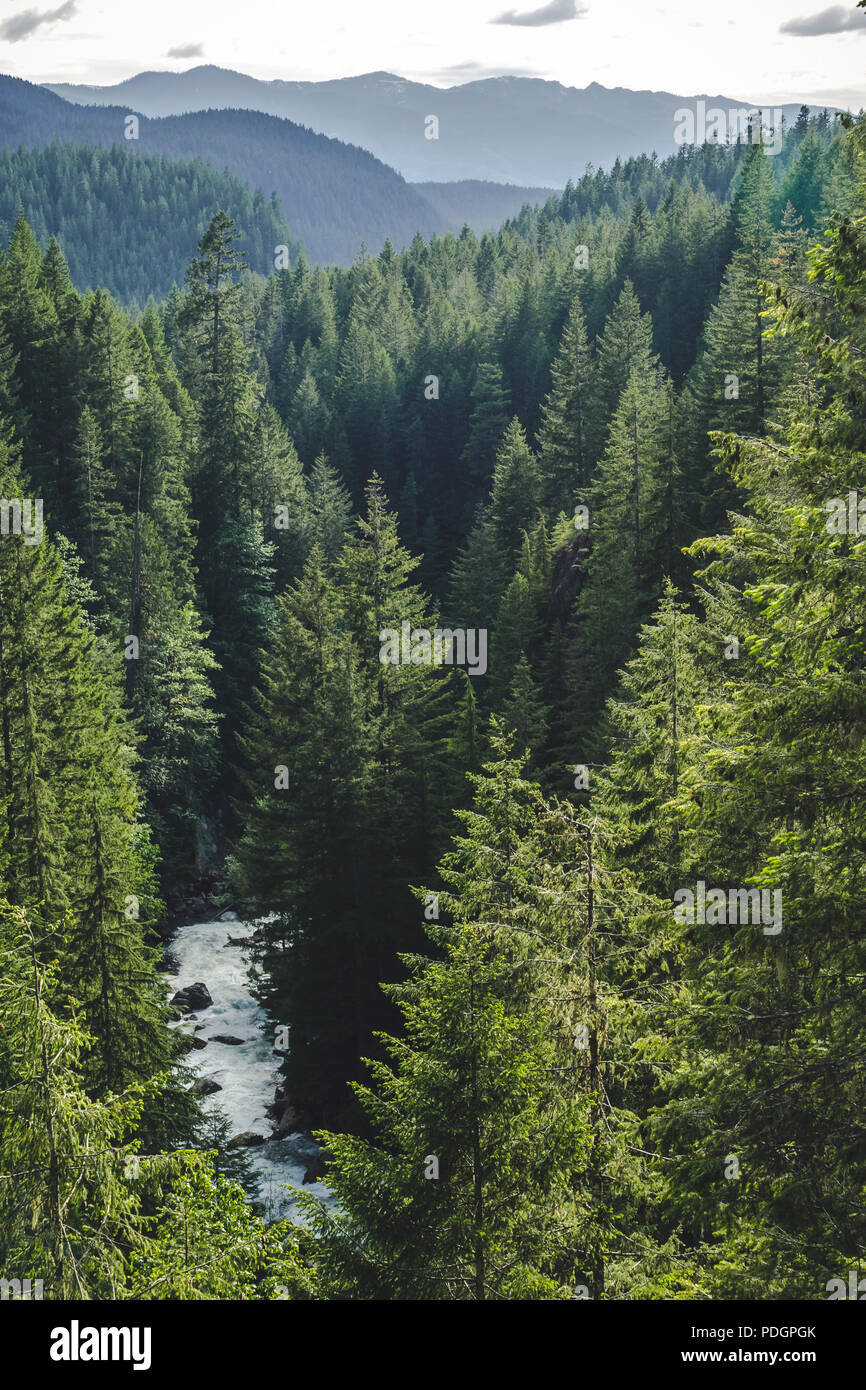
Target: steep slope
(335, 196)
(130, 222)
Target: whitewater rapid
(248, 1073)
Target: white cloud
(836, 20)
(26, 22)
(556, 12)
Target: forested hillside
(590, 903)
(83, 195)
(335, 196)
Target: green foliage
(481, 1113)
(81, 194)
(202, 654)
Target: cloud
(473, 72)
(26, 22)
(836, 20)
(186, 50)
(553, 13)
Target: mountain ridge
(334, 195)
(528, 131)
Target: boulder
(287, 1121)
(205, 1086)
(318, 1168)
(195, 996)
(248, 1140)
(199, 1043)
(226, 1038)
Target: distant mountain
(484, 206)
(334, 195)
(519, 130)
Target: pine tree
(29, 324)
(86, 852)
(568, 428)
(624, 348)
(515, 492)
(345, 788)
(487, 424)
(739, 372)
(761, 1066)
(237, 578)
(68, 1217)
(524, 711)
(206, 1243)
(479, 576)
(628, 531)
(480, 1116)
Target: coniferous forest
(484, 622)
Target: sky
(754, 50)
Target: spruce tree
(569, 429)
(480, 1117)
(69, 1217)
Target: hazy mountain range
(335, 196)
(348, 161)
(519, 130)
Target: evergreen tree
(69, 1218)
(627, 534)
(487, 424)
(480, 1115)
(514, 493)
(568, 428)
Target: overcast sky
(751, 49)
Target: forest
(571, 949)
(80, 194)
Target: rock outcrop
(195, 996)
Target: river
(247, 1073)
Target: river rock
(195, 996)
(248, 1140)
(226, 1038)
(318, 1168)
(235, 941)
(288, 1121)
(199, 1043)
(205, 1086)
